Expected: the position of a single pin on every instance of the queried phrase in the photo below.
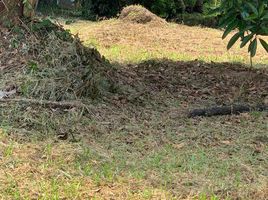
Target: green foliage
(190, 3)
(209, 5)
(163, 8)
(197, 19)
(249, 18)
(102, 8)
(168, 8)
(180, 6)
(197, 11)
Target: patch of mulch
(197, 82)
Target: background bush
(164, 8)
(198, 19)
(167, 8)
(177, 10)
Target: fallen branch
(45, 103)
(226, 110)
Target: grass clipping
(57, 67)
(140, 15)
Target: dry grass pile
(46, 62)
(140, 15)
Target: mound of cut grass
(140, 15)
(49, 63)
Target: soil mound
(140, 15)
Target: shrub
(104, 8)
(199, 6)
(197, 19)
(249, 18)
(190, 4)
(92, 8)
(168, 8)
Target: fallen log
(226, 110)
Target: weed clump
(140, 15)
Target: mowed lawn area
(139, 143)
(120, 41)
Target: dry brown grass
(47, 170)
(129, 42)
(140, 15)
(225, 156)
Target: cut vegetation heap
(49, 63)
(140, 15)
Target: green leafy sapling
(249, 18)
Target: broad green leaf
(247, 28)
(229, 28)
(261, 8)
(263, 31)
(265, 17)
(253, 8)
(244, 14)
(226, 20)
(253, 48)
(251, 17)
(246, 40)
(233, 40)
(264, 44)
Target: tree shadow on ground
(193, 82)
